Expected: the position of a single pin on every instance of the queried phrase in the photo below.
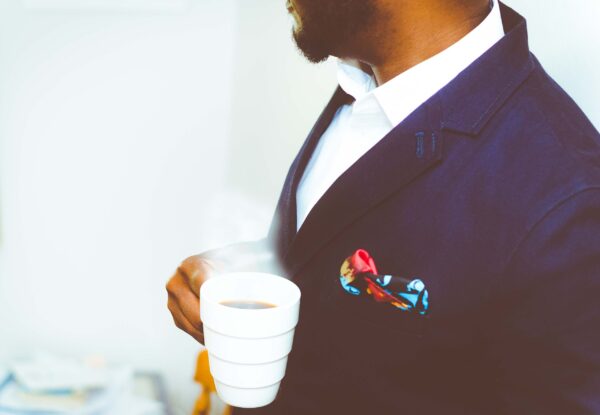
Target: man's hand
(184, 293)
(184, 285)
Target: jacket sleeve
(546, 343)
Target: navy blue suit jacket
(490, 193)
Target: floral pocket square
(359, 276)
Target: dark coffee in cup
(247, 304)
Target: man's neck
(406, 37)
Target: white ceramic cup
(248, 348)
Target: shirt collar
(401, 95)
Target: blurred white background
(135, 133)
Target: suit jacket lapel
(464, 106)
(283, 228)
(406, 152)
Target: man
(448, 159)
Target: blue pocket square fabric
(358, 276)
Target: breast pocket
(373, 340)
(375, 320)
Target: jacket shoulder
(554, 117)
(542, 133)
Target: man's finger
(189, 305)
(182, 322)
(194, 271)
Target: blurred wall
(277, 96)
(133, 137)
(114, 126)
(565, 37)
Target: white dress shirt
(357, 127)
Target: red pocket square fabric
(359, 276)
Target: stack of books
(48, 384)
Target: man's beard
(330, 26)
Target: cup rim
(206, 295)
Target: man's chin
(313, 51)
